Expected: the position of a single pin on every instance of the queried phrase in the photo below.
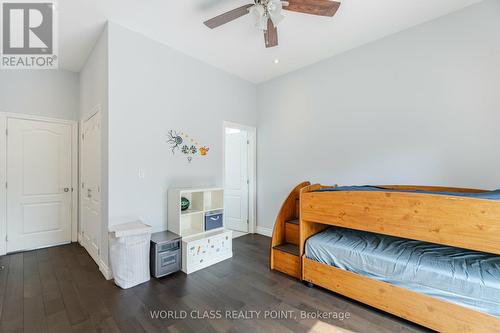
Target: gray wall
(418, 107)
(153, 89)
(47, 93)
(94, 86)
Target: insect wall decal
(175, 140)
(187, 145)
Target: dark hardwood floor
(61, 290)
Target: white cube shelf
(191, 222)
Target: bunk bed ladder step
(288, 248)
(285, 253)
(287, 260)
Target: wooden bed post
(307, 228)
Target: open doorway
(239, 178)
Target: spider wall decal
(175, 140)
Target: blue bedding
(488, 195)
(464, 277)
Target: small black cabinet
(165, 253)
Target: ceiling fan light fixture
(274, 6)
(259, 11)
(274, 9)
(264, 10)
(276, 19)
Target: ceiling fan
(268, 14)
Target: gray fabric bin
(213, 220)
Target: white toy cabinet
(200, 247)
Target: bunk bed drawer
(287, 263)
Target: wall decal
(204, 151)
(187, 145)
(175, 140)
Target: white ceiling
(238, 47)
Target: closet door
(91, 186)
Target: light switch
(141, 174)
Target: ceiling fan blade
(228, 16)
(314, 7)
(271, 34)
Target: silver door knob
(66, 189)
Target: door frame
(4, 116)
(94, 111)
(252, 169)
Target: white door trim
(252, 169)
(3, 172)
(3, 181)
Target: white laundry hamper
(129, 253)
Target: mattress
(488, 195)
(463, 277)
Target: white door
(39, 192)
(236, 180)
(91, 185)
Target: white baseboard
(265, 231)
(105, 270)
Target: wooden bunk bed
(456, 221)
